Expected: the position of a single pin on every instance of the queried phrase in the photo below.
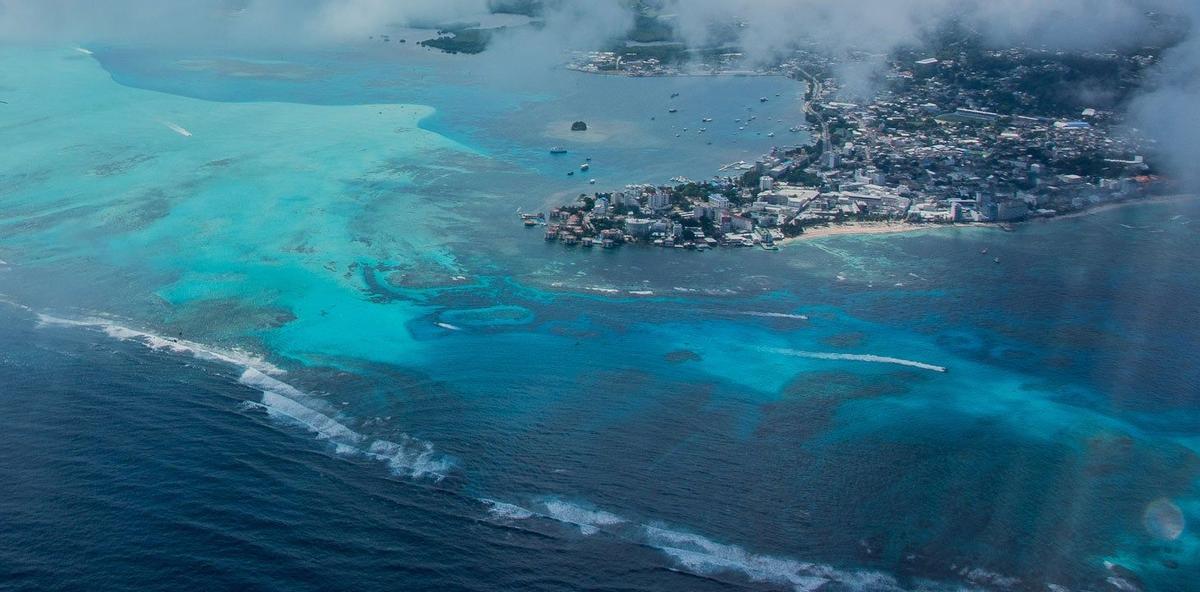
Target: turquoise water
(321, 252)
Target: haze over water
(274, 323)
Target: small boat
(570, 173)
(673, 95)
(558, 150)
(707, 120)
(672, 110)
(983, 251)
(585, 166)
(591, 181)
(762, 99)
(530, 222)
(997, 260)
(771, 135)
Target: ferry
(558, 150)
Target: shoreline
(869, 228)
(873, 228)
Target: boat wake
(856, 358)
(175, 127)
(774, 315)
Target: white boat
(558, 150)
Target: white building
(659, 201)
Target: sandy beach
(861, 228)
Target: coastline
(867, 228)
(864, 228)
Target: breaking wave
(856, 358)
(233, 357)
(696, 554)
(589, 521)
(506, 511)
(408, 457)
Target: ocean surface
(271, 322)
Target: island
(957, 134)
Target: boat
(762, 99)
(591, 181)
(707, 120)
(771, 135)
(530, 222)
(558, 150)
(672, 110)
(570, 173)
(673, 95)
(585, 166)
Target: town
(935, 145)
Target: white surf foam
(175, 127)
(233, 357)
(589, 521)
(696, 554)
(410, 457)
(701, 556)
(505, 511)
(856, 358)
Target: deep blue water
(573, 420)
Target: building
(639, 227)
(659, 201)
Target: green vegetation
(468, 41)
